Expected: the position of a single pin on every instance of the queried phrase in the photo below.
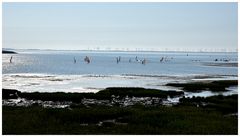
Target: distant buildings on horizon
(141, 49)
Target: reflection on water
(104, 63)
(55, 71)
(232, 90)
(92, 83)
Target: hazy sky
(147, 26)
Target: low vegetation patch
(224, 104)
(107, 93)
(213, 86)
(137, 92)
(10, 94)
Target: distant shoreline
(8, 52)
(222, 64)
(155, 51)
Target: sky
(120, 26)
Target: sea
(66, 71)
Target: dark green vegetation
(8, 52)
(10, 93)
(199, 116)
(131, 120)
(138, 92)
(103, 94)
(214, 86)
(224, 104)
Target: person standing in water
(11, 59)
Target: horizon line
(129, 50)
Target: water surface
(51, 71)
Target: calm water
(104, 63)
(49, 71)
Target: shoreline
(93, 83)
(122, 96)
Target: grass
(213, 86)
(140, 120)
